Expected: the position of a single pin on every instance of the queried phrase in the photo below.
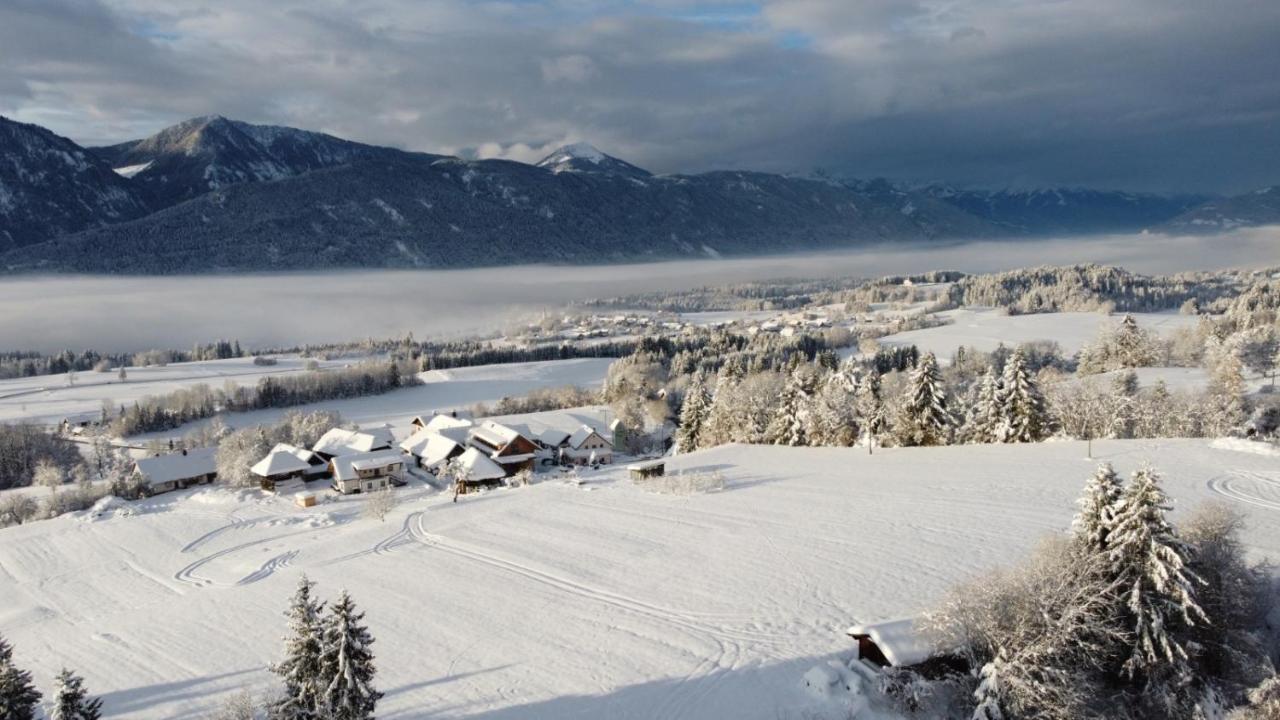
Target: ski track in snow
(1253, 488)
(188, 575)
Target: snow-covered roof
(432, 448)
(897, 639)
(382, 434)
(647, 465)
(581, 435)
(177, 466)
(479, 466)
(282, 460)
(347, 442)
(617, 423)
(494, 434)
(345, 467)
(551, 437)
(441, 422)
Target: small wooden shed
(891, 643)
(645, 470)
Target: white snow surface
(50, 398)
(131, 170)
(986, 328)
(557, 601)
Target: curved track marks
(1252, 488)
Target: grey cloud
(1151, 94)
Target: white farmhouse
(338, 442)
(163, 473)
(586, 445)
(367, 472)
(287, 463)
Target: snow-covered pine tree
(791, 421)
(925, 419)
(870, 408)
(18, 696)
(1022, 407)
(693, 414)
(987, 696)
(300, 669)
(71, 701)
(718, 428)
(1098, 507)
(346, 664)
(835, 414)
(1149, 561)
(1130, 346)
(1124, 401)
(983, 420)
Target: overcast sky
(1138, 94)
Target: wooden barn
(504, 445)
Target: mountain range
(218, 195)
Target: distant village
(467, 453)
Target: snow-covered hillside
(558, 601)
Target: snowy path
(556, 601)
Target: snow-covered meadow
(558, 600)
(50, 398)
(987, 328)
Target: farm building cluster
(483, 453)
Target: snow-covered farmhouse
(504, 445)
(430, 450)
(286, 463)
(439, 419)
(891, 643)
(367, 472)
(586, 446)
(338, 442)
(163, 473)
(479, 470)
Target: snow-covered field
(986, 329)
(557, 601)
(443, 390)
(50, 398)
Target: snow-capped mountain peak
(585, 157)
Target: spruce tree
(300, 669)
(1149, 561)
(791, 421)
(346, 664)
(925, 419)
(835, 413)
(870, 408)
(1098, 507)
(693, 414)
(718, 428)
(1022, 408)
(72, 701)
(18, 696)
(983, 420)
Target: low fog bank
(132, 313)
